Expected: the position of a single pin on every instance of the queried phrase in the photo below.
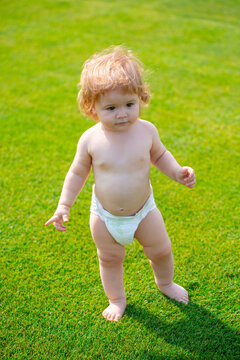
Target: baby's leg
(152, 235)
(111, 256)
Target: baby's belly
(122, 195)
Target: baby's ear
(93, 113)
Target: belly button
(121, 209)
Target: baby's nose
(121, 114)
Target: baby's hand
(60, 216)
(186, 176)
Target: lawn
(51, 293)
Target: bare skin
(120, 149)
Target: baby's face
(117, 110)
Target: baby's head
(115, 68)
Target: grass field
(51, 294)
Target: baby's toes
(113, 317)
(116, 317)
(109, 316)
(185, 299)
(105, 314)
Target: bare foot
(115, 310)
(175, 292)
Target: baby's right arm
(73, 184)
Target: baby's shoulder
(89, 133)
(148, 126)
(87, 137)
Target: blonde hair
(114, 67)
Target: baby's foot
(175, 292)
(115, 310)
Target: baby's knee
(158, 252)
(108, 257)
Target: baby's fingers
(65, 218)
(50, 221)
(190, 183)
(59, 227)
(55, 218)
(190, 173)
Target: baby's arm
(164, 161)
(73, 184)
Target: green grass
(51, 294)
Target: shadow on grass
(199, 332)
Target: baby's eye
(129, 104)
(111, 108)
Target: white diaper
(122, 228)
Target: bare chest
(121, 154)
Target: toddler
(120, 149)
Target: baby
(120, 149)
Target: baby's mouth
(122, 122)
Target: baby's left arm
(164, 161)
